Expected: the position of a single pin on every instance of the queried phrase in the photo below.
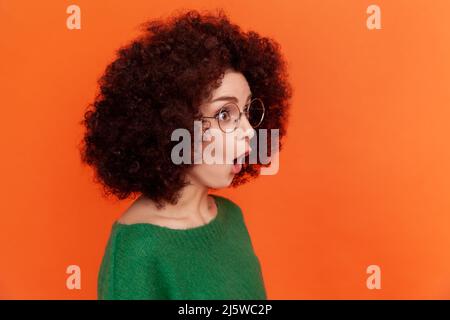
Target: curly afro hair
(157, 83)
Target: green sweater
(212, 261)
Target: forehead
(233, 84)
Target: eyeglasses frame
(240, 115)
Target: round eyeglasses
(229, 115)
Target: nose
(245, 126)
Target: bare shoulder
(143, 211)
(138, 212)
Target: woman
(176, 240)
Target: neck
(194, 204)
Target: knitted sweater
(212, 261)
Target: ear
(206, 132)
(207, 135)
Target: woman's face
(224, 147)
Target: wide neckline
(214, 223)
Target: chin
(216, 178)
(221, 183)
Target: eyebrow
(230, 98)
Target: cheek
(224, 147)
(213, 175)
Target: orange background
(364, 176)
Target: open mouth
(236, 168)
(238, 161)
(241, 159)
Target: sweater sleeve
(129, 271)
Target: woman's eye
(223, 115)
